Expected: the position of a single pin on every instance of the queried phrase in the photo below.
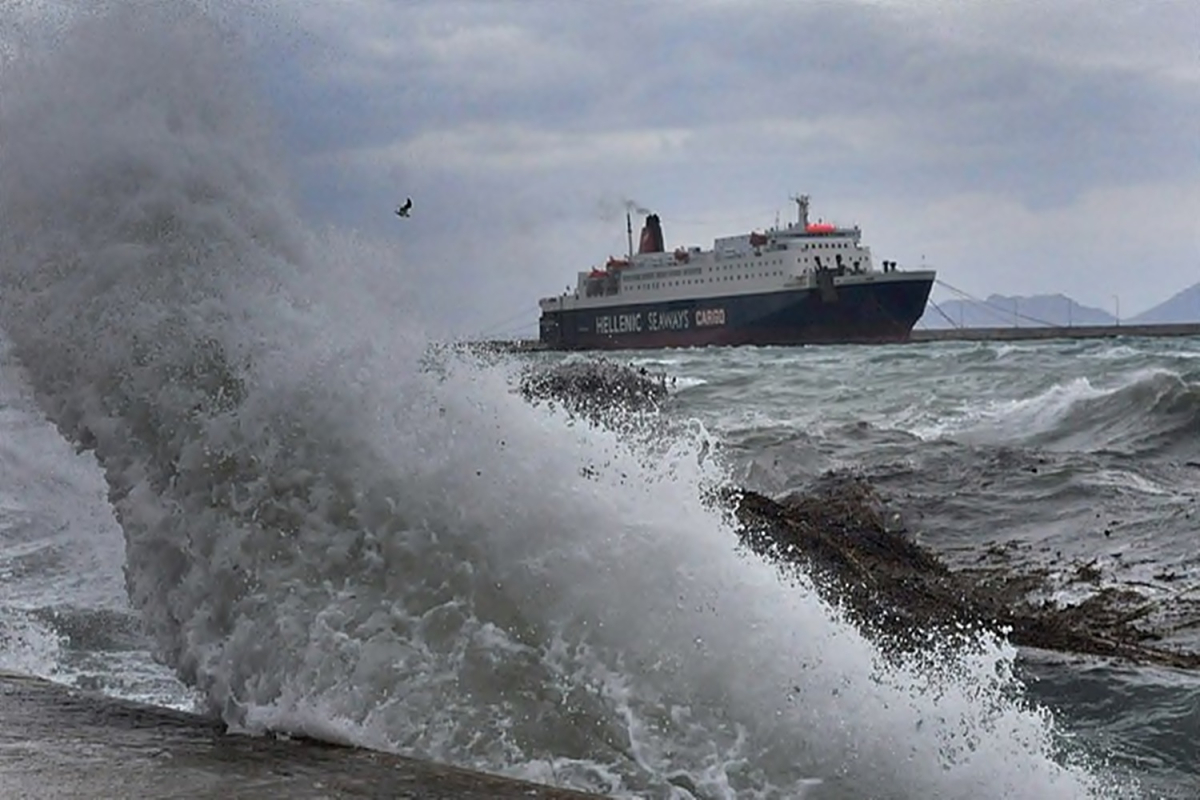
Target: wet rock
(899, 592)
(62, 743)
(594, 387)
(886, 584)
(863, 561)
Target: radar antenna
(801, 201)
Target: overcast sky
(1017, 147)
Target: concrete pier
(1010, 334)
(58, 743)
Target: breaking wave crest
(1152, 412)
(323, 535)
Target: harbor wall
(68, 744)
(1009, 334)
(1053, 332)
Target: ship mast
(801, 201)
(629, 232)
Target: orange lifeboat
(819, 227)
(757, 239)
(617, 263)
(597, 273)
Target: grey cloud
(522, 125)
(932, 104)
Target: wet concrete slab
(58, 743)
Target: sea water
(231, 480)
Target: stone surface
(57, 743)
(898, 592)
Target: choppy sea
(230, 480)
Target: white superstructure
(802, 255)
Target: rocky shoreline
(863, 560)
(900, 593)
(58, 742)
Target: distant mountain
(1000, 311)
(1183, 307)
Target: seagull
(403, 210)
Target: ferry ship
(806, 283)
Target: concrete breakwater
(58, 742)
(1053, 332)
(1009, 334)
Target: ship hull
(867, 312)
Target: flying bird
(403, 210)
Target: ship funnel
(652, 237)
